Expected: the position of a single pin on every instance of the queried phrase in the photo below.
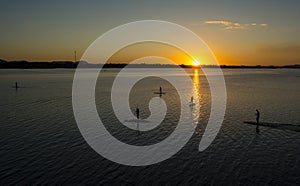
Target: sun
(196, 63)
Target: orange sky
(145, 49)
(238, 32)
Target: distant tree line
(69, 64)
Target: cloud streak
(234, 25)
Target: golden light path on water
(195, 99)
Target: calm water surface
(41, 144)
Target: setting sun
(196, 63)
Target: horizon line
(71, 64)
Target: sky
(238, 32)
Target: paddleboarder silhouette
(16, 85)
(257, 121)
(137, 111)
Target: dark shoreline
(70, 64)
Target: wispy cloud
(234, 25)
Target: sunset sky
(239, 32)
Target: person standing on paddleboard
(257, 121)
(137, 111)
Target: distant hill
(2, 61)
(38, 65)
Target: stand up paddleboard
(191, 104)
(137, 121)
(281, 126)
(16, 86)
(159, 92)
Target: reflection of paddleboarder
(257, 121)
(137, 111)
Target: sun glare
(196, 63)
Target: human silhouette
(16, 85)
(160, 91)
(257, 121)
(192, 99)
(137, 111)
